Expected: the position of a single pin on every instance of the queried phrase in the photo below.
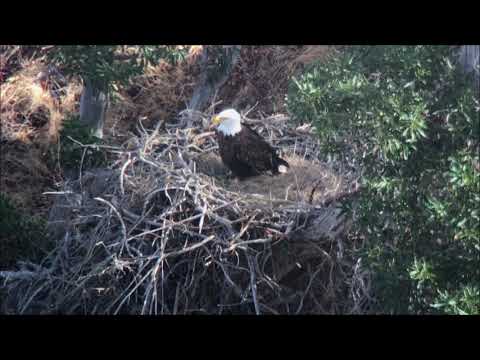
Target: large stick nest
(167, 230)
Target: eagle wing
(254, 151)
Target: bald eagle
(242, 150)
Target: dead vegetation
(31, 117)
(155, 235)
(258, 80)
(261, 77)
(31, 113)
(164, 229)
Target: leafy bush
(70, 153)
(109, 66)
(21, 237)
(410, 119)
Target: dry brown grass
(30, 120)
(157, 96)
(30, 113)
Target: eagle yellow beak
(216, 120)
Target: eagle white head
(228, 122)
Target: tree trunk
(93, 107)
(469, 58)
(217, 63)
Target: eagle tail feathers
(282, 165)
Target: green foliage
(109, 66)
(462, 302)
(411, 120)
(70, 153)
(21, 237)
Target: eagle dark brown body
(247, 154)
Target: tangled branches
(158, 234)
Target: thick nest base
(167, 231)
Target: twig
(124, 228)
(122, 174)
(253, 283)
